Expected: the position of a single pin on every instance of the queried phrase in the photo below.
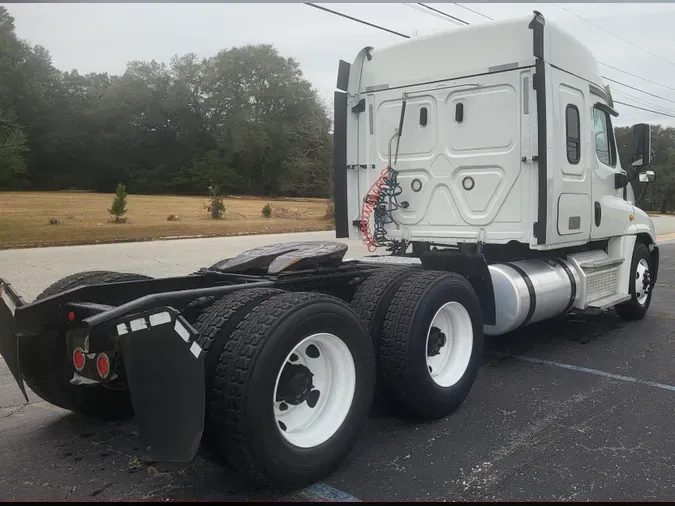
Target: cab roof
(472, 50)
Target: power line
(615, 35)
(600, 63)
(635, 75)
(358, 20)
(445, 14)
(638, 89)
(475, 12)
(424, 11)
(643, 109)
(641, 101)
(407, 37)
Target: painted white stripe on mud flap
(160, 318)
(181, 331)
(195, 349)
(619, 377)
(328, 493)
(138, 324)
(122, 329)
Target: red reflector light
(78, 359)
(103, 365)
(71, 316)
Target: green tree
(12, 150)
(119, 204)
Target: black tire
(633, 310)
(215, 325)
(47, 368)
(245, 428)
(405, 377)
(372, 298)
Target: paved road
(575, 408)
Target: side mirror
(642, 145)
(647, 176)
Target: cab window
(604, 138)
(573, 134)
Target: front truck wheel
(640, 285)
(431, 344)
(47, 367)
(292, 389)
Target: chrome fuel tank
(528, 291)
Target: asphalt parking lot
(576, 408)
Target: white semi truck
(497, 139)
(483, 159)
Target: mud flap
(9, 343)
(165, 373)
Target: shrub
(267, 211)
(172, 217)
(119, 205)
(55, 221)
(216, 206)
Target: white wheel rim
(447, 364)
(641, 293)
(334, 377)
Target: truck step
(609, 301)
(599, 264)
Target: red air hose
(369, 203)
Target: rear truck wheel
(47, 367)
(373, 297)
(292, 389)
(640, 285)
(371, 301)
(216, 324)
(431, 344)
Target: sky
(98, 37)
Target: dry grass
(25, 217)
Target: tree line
(245, 120)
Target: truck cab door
(610, 210)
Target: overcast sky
(95, 37)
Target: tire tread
(233, 373)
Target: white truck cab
(496, 139)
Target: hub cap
(642, 282)
(449, 344)
(314, 390)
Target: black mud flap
(9, 343)
(165, 373)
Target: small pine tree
(119, 205)
(267, 211)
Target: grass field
(25, 216)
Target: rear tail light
(103, 365)
(78, 359)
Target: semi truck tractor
(480, 168)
